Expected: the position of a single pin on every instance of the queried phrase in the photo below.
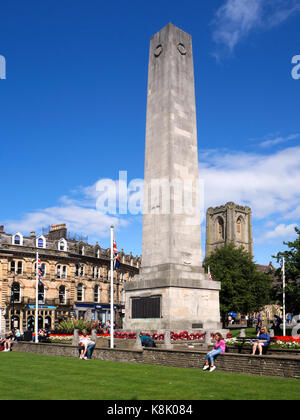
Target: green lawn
(27, 377)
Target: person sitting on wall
(81, 349)
(8, 342)
(147, 341)
(2, 341)
(263, 340)
(88, 345)
(43, 336)
(220, 348)
(17, 335)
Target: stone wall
(277, 366)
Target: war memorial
(172, 291)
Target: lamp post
(13, 304)
(112, 287)
(283, 297)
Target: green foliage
(292, 268)
(69, 325)
(244, 289)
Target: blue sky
(73, 110)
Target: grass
(250, 332)
(40, 377)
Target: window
(15, 292)
(80, 296)
(82, 271)
(79, 270)
(41, 242)
(96, 273)
(239, 225)
(62, 295)
(20, 267)
(96, 294)
(64, 272)
(41, 294)
(81, 250)
(97, 253)
(17, 239)
(220, 229)
(13, 267)
(62, 245)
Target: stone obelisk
(171, 291)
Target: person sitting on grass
(263, 340)
(88, 345)
(220, 348)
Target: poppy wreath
(155, 336)
(161, 336)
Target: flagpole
(36, 299)
(111, 287)
(283, 297)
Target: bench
(244, 340)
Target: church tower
(226, 224)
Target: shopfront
(95, 313)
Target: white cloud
(87, 221)
(236, 19)
(278, 140)
(269, 184)
(280, 232)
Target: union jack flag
(40, 271)
(116, 256)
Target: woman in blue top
(263, 339)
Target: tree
(292, 271)
(244, 289)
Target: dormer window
(41, 242)
(62, 245)
(17, 239)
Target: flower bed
(286, 342)
(58, 338)
(184, 335)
